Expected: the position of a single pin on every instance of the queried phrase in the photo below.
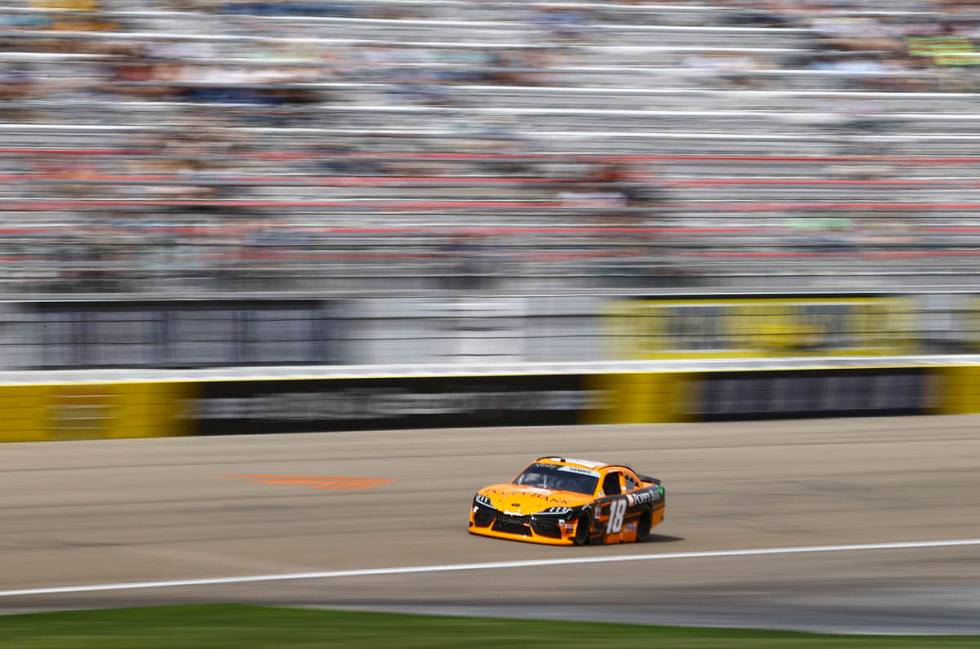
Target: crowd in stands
(321, 145)
(862, 37)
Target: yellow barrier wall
(960, 390)
(92, 411)
(642, 397)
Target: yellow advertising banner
(664, 328)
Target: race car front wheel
(583, 529)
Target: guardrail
(151, 404)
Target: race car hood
(524, 500)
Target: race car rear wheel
(643, 525)
(583, 529)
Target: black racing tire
(583, 530)
(643, 526)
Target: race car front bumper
(549, 529)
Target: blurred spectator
(469, 263)
(563, 24)
(16, 82)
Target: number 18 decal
(617, 509)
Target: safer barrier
(332, 404)
(244, 401)
(727, 395)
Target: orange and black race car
(562, 501)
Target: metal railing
(146, 331)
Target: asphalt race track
(112, 512)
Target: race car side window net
(610, 484)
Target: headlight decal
(557, 511)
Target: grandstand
(392, 145)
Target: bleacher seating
(396, 144)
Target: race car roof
(570, 461)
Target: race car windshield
(549, 476)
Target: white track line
(494, 565)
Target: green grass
(251, 627)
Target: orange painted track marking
(325, 483)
